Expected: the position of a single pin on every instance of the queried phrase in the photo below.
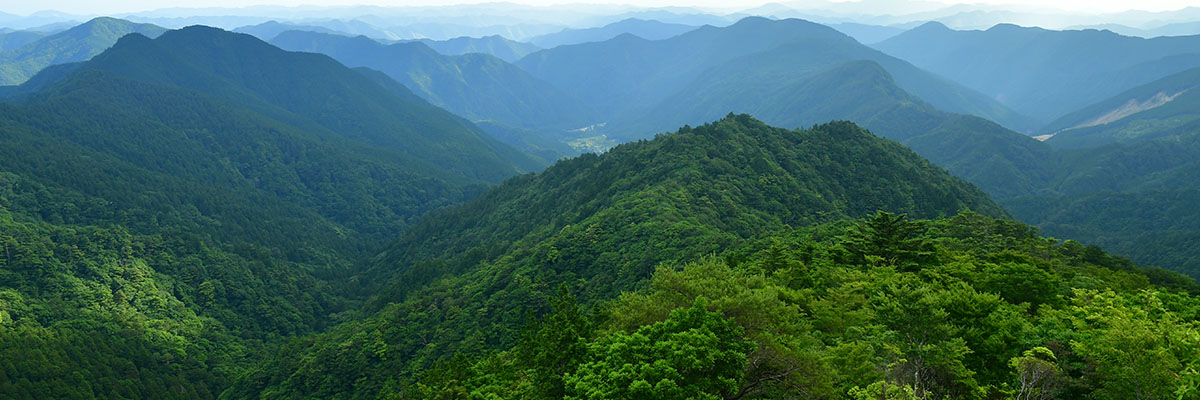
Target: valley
(599, 201)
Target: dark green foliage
(889, 239)
(465, 278)
(177, 209)
(73, 45)
(100, 313)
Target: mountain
(270, 29)
(76, 44)
(626, 76)
(601, 223)
(10, 39)
(645, 29)
(1136, 197)
(479, 87)
(867, 34)
(1166, 107)
(1043, 73)
(176, 208)
(671, 260)
(496, 45)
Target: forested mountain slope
(1044, 73)
(73, 45)
(476, 86)
(627, 76)
(175, 209)
(1166, 107)
(466, 278)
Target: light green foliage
(465, 278)
(849, 331)
(693, 354)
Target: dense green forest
(79, 43)
(886, 307)
(466, 278)
(170, 216)
(205, 215)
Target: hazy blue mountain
(479, 87)
(645, 29)
(627, 76)
(76, 44)
(496, 45)
(270, 29)
(1166, 107)
(1043, 73)
(867, 34)
(10, 39)
(798, 87)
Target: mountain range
(1042, 73)
(198, 213)
(479, 87)
(73, 45)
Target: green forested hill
(966, 307)
(175, 209)
(465, 278)
(73, 45)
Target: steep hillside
(474, 273)
(885, 307)
(627, 76)
(73, 45)
(175, 209)
(1043, 73)
(794, 86)
(476, 86)
(1137, 199)
(1166, 107)
(250, 72)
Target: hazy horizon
(1082, 7)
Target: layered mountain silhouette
(1043, 73)
(598, 219)
(645, 29)
(627, 76)
(73, 45)
(1166, 107)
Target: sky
(89, 7)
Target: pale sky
(87, 7)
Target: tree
(1037, 374)
(887, 238)
(694, 354)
